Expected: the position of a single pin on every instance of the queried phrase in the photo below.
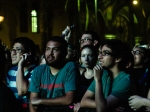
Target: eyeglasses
(16, 50)
(105, 53)
(137, 52)
(85, 39)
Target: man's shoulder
(41, 66)
(12, 70)
(70, 63)
(124, 75)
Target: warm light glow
(1, 19)
(135, 2)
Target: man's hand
(135, 102)
(24, 59)
(66, 33)
(97, 72)
(76, 107)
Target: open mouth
(50, 58)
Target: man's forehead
(17, 45)
(86, 35)
(53, 44)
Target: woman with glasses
(141, 76)
(112, 85)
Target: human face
(16, 53)
(139, 57)
(53, 53)
(86, 39)
(106, 57)
(88, 59)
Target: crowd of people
(103, 75)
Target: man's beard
(55, 64)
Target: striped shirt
(11, 82)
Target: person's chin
(14, 63)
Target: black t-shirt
(8, 102)
(141, 77)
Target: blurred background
(128, 20)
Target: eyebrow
(17, 47)
(106, 51)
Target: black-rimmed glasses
(16, 50)
(105, 53)
(85, 39)
(137, 52)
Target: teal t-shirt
(121, 87)
(51, 86)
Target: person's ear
(129, 64)
(95, 42)
(118, 60)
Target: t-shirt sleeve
(71, 77)
(92, 87)
(34, 85)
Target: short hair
(145, 48)
(28, 44)
(121, 50)
(95, 36)
(62, 41)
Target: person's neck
(89, 74)
(114, 72)
(55, 69)
(26, 67)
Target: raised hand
(97, 72)
(66, 33)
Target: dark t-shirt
(8, 102)
(141, 77)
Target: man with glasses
(90, 38)
(141, 76)
(112, 86)
(18, 78)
